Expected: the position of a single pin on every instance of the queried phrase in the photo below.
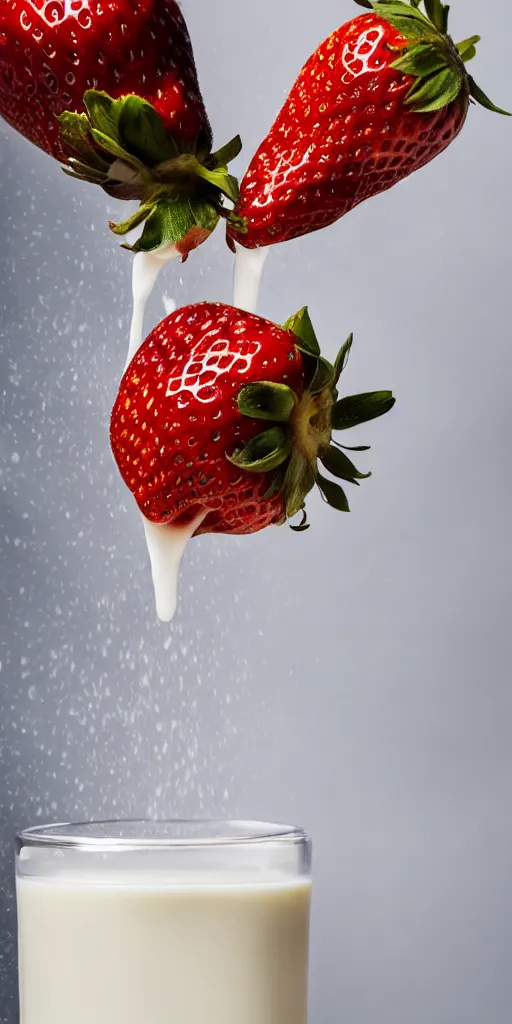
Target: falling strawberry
(380, 98)
(226, 415)
(111, 90)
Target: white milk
(166, 546)
(249, 264)
(146, 268)
(117, 951)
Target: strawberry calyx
(301, 435)
(431, 57)
(123, 146)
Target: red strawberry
(186, 428)
(381, 97)
(56, 54)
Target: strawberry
(381, 97)
(145, 135)
(224, 413)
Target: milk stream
(166, 547)
(249, 265)
(146, 268)
(166, 544)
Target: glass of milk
(179, 922)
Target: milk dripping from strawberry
(166, 544)
(249, 266)
(146, 268)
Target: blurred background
(355, 679)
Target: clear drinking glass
(189, 922)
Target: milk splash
(146, 268)
(166, 547)
(249, 265)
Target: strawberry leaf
(276, 483)
(103, 113)
(350, 412)
(434, 92)
(142, 132)
(342, 358)
(88, 178)
(137, 218)
(333, 494)
(298, 482)
(74, 129)
(337, 463)
(267, 401)
(263, 453)
(171, 220)
(322, 377)
(355, 448)
(484, 101)
(467, 48)
(421, 60)
(116, 150)
(124, 189)
(469, 54)
(221, 179)
(303, 525)
(435, 11)
(227, 153)
(84, 171)
(300, 325)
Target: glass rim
(80, 835)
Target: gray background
(355, 679)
